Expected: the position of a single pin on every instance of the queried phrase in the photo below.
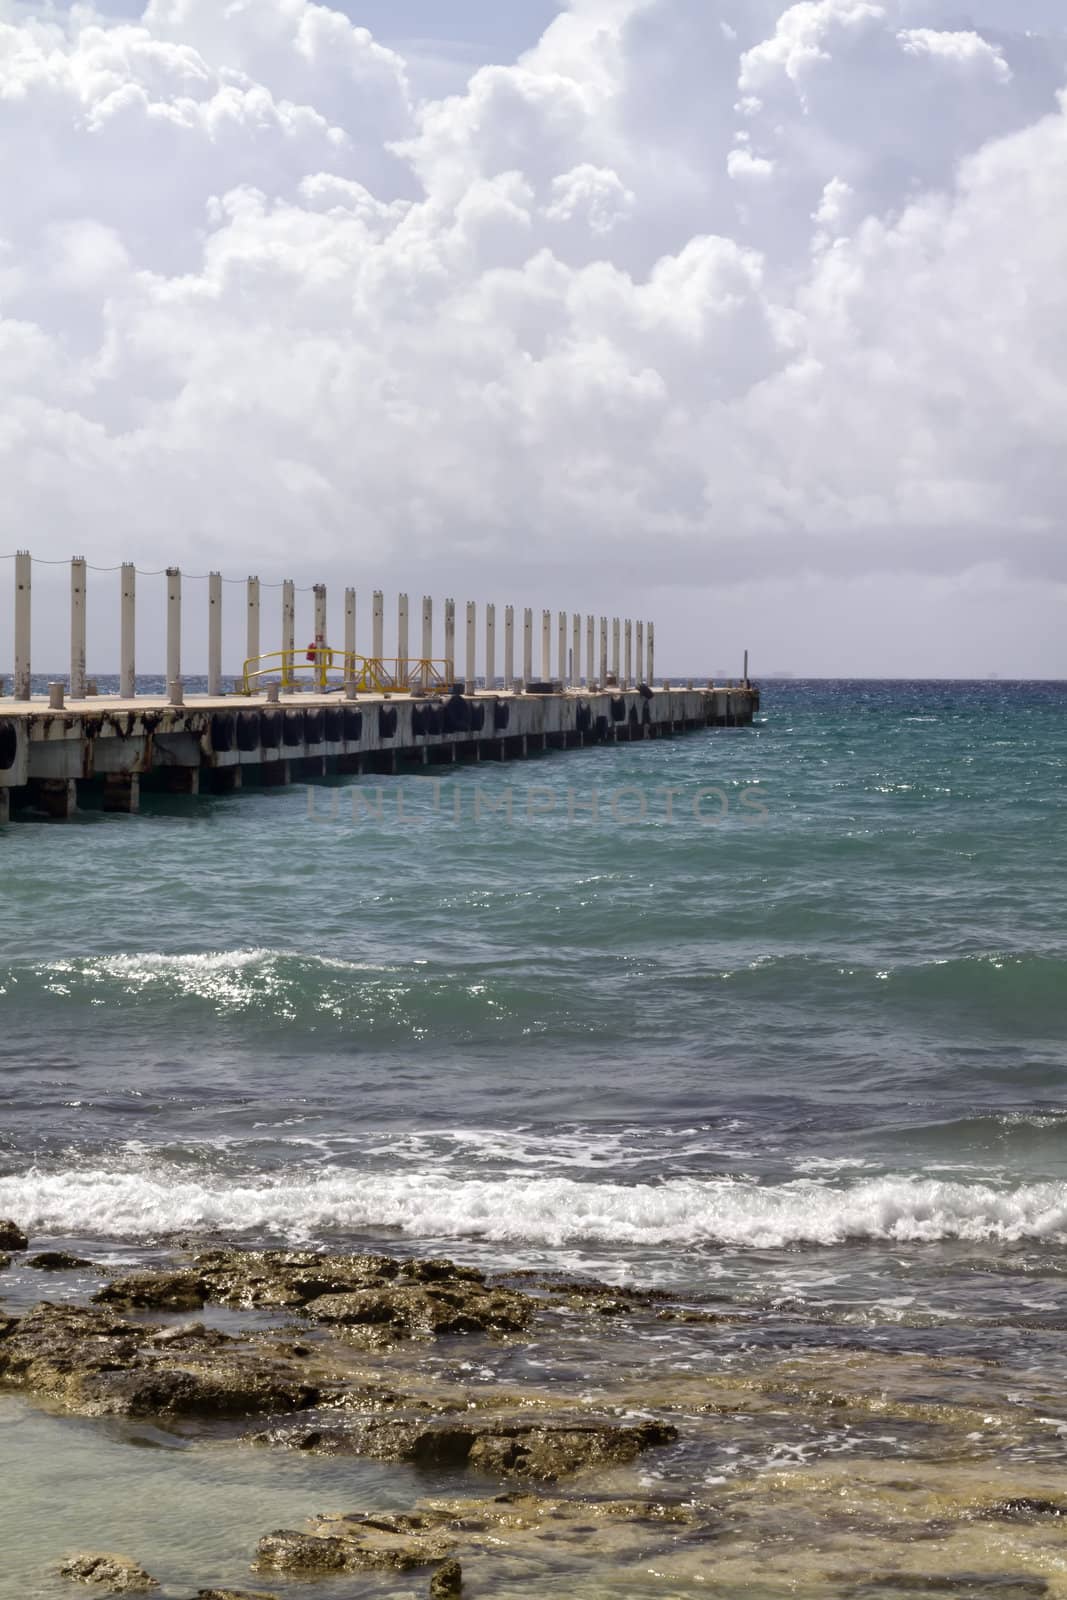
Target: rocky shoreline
(414, 1362)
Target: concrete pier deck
(99, 751)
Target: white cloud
(790, 274)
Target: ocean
(770, 1019)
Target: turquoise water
(807, 1034)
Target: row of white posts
(625, 649)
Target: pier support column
(350, 631)
(509, 647)
(275, 774)
(427, 636)
(174, 625)
(122, 792)
(23, 590)
(377, 625)
(527, 646)
(77, 628)
(56, 797)
(615, 663)
(128, 632)
(252, 622)
(561, 648)
(403, 640)
(651, 653)
(603, 676)
(450, 638)
(288, 631)
(5, 806)
(546, 646)
(628, 641)
(575, 673)
(470, 668)
(490, 646)
(224, 780)
(214, 633)
(639, 663)
(590, 650)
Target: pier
(301, 713)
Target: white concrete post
(615, 648)
(509, 647)
(427, 628)
(490, 646)
(23, 591)
(603, 651)
(450, 638)
(403, 640)
(350, 630)
(590, 651)
(288, 631)
(628, 638)
(377, 625)
(174, 626)
(214, 633)
(561, 649)
(527, 645)
(651, 653)
(252, 622)
(471, 667)
(576, 650)
(320, 613)
(77, 628)
(639, 651)
(546, 645)
(128, 631)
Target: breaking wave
(550, 1211)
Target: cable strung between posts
(162, 572)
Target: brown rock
(447, 1581)
(414, 1310)
(158, 1291)
(12, 1236)
(354, 1544)
(5, 1260)
(56, 1261)
(235, 1594)
(116, 1573)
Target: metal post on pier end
(746, 669)
(350, 631)
(603, 651)
(377, 625)
(174, 626)
(450, 640)
(403, 640)
(214, 633)
(288, 632)
(490, 646)
(615, 664)
(639, 651)
(575, 673)
(561, 649)
(527, 646)
(471, 663)
(321, 662)
(628, 642)
(509, 647)
(546, 646)
(651, 654)
(23, 603)
(590, 652)
(128, 632)
(252, 622)
(77, 627)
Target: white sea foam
(549, 1211)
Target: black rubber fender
(583, 716)
(457, 718)
(435, 718)
(353, 724)
(249, 730)
(387, 720)
(501, 714)
(602, 726)
(646, 714)
(618, 708)
(313, 721)
(334, 724)
(9, 745)
(293, 732)
(634, 719)
(222, 731)
(644, 691)
(477, 716)
(270, 729)
(418, 721)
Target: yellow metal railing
(323, 668)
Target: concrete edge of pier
(97, 753)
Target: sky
(744, 316)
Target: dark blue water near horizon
(781, 1009)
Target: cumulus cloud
(738, 283)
